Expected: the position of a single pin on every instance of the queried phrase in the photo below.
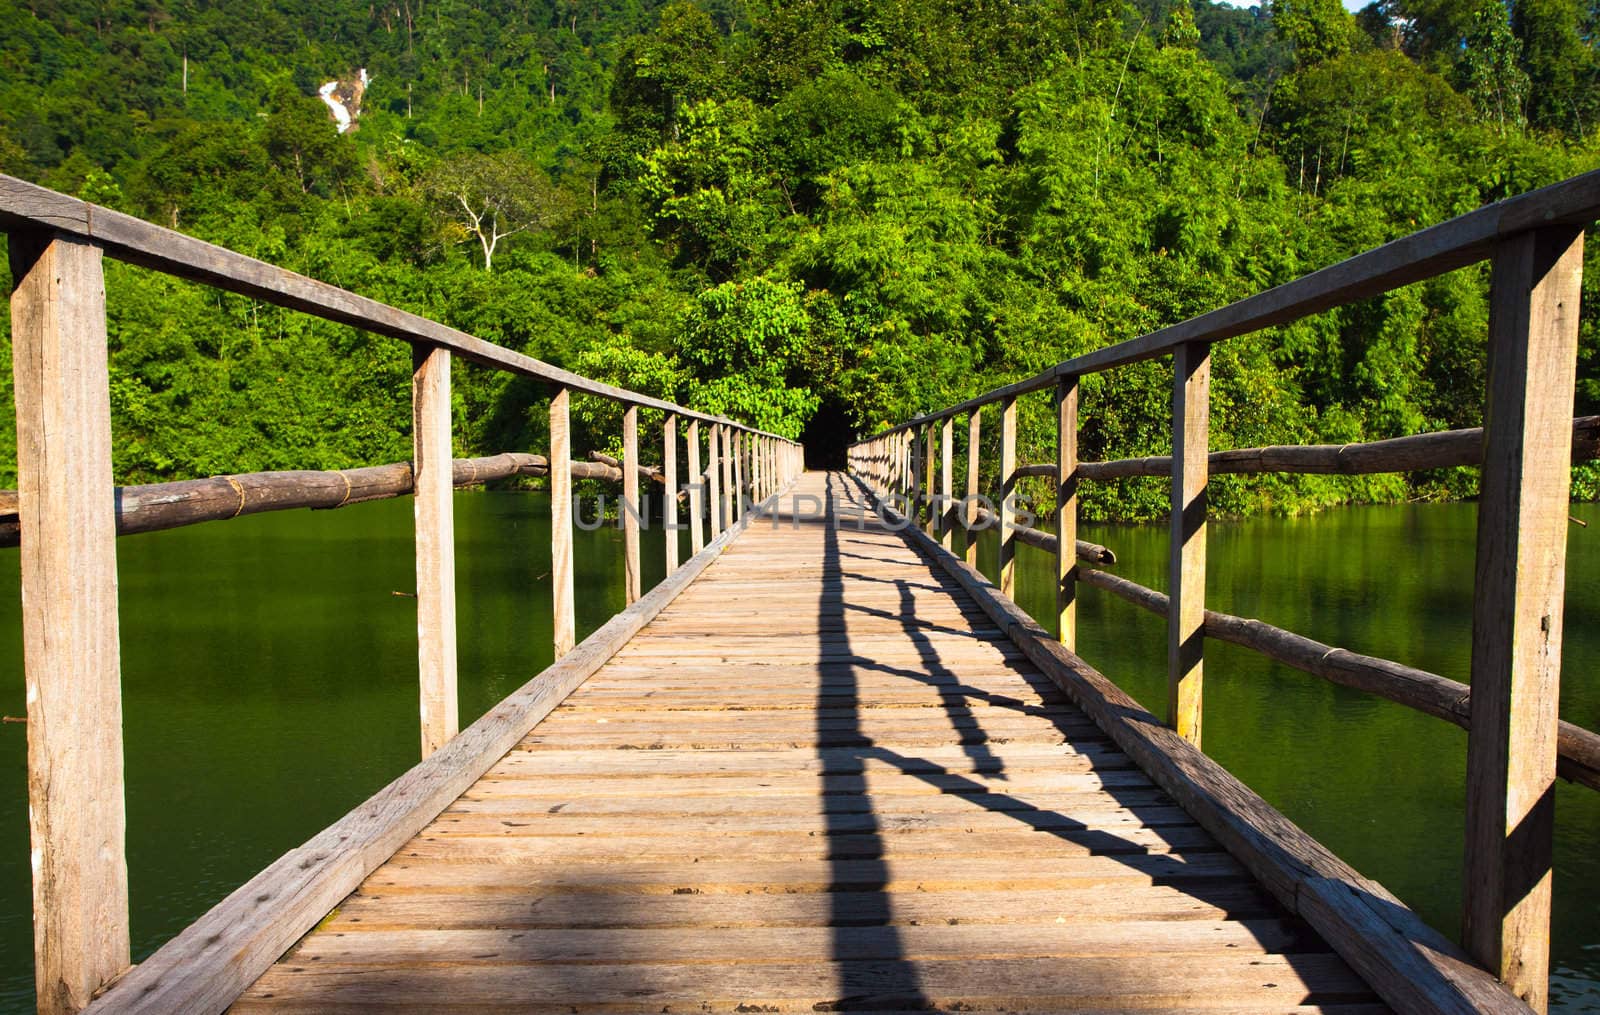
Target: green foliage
(762, 210)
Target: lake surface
(269, 677)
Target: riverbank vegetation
(799, 212)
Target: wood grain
(563, 597)
(432, 463)
(1186, 561)
(630, 508)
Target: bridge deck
(820, 780)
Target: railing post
(1008, 492)
(947, 517)
(71, 651)
(931, 526)
(1186, 571)
(629, 508)
(697, 486)
(738, 475)
(562, 595)
(669, 496)
(1517, 606)
(1067, 511)
(714, 472)
(974, 439)
(729, 493)
(914, 505)
(433, 482)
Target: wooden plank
(433, 464)
(1517, 606)
(740, 492)
(563, 597)
(714, 471)
(1410, 965)
(1216, 982)
(630, 507)
(138, 242)
(71, 653)
(1186, 560)
(730, 492)
(947, 517)
(669, 497)
(211, 962)
(974, 434)
(1067, 511)
(930, 457)
(697, 485)
(1008, 494)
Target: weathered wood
(25, 205)
(1186, 562)
(730, 492)
(1411, 966)
(697, 486)
(1578, 749)
(1439, 450)
(563, 597)
(1067, 510)
(211, 963)
(669, 499)
(740, 493)
(434, 465)
(1091, 553)
(632, 507)
(974, 442)
(71, 653)
(714, 475)
(947, 517)
(1518, 587)
(930, 459)
(1008, 493)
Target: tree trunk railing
(1534, 244)
(66, 515)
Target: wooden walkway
(820, 780)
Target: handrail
(1535, 245)
(67, 514)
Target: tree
(492, 197)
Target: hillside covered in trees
(799, 212)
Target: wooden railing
(1534, 244)
(67, 515)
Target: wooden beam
(629, 508)
(1186, 561)
(70, 645)
(729, 492)
(669, 499)
(974, 440)
(1008, 493)
(563, 596)
(1517, 606)
(208, 965)
(1067, 511)
(714, 472)
(929, 460)
(697, 491)
(947, 517)
(433, 464)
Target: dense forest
(805, 213)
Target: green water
(269, 685)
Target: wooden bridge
(825, 764)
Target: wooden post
(630, 504)
(974, 434)
(563, 596)
(1186, 570)
(432, 467)
(931, 526)
(914, 476)
(758, 448)
(697, 485)
(947, 517)
(713, 451)
(1008, 491)
(1067, 511)
(738, 475)
(71, 651)
(729, 493)
(669, 496)
(1517, 606)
